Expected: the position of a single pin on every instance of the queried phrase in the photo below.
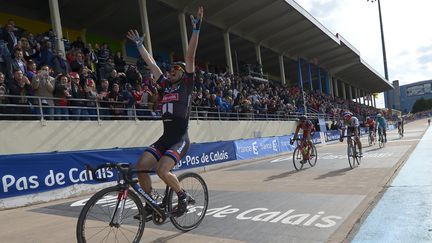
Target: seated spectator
(119, 62)
(61, 66)
(47, 54)
(91, 94)
(117, 101)
(3, 99)
(19, 62)
(102, 98)
(77, 65)
(31, 70)
(78, 93)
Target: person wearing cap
(352, 125)
(381, 125)
(307, 126)
(177, 87)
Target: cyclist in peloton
(307, 127)
(370, 124)
(352, 125)
(382, 124)
(168, 150)
(400, 125)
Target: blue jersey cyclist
(352, 125)
(381, 125)
(177, 87)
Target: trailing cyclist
(307, 126)
(168, 150)
(370, 124)
(400, 125)
(381, 126)
(352, 125)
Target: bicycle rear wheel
(381, 141)
(196, 187)
(94, 222)
(313, 156)
(298, 160)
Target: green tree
(421, 105)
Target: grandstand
(302, 68)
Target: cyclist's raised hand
(134, 36)
(196, 22)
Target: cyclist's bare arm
(134, 36)
(193, 42)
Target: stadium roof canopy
(282, 27)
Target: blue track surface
(404, 214)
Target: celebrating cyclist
(307, 127)
(168, 150)
(381, 125)
(352, 125)
(370, 124)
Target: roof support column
(363, 97)
(183, 33)
(282, 69)
(300, 82)
(374, 101)
(369, 99)
(356, 95)
(344, 94)
(310, 77)
(336, 88)
(329, 85)
(145, 25)
(319, 80)
(350, 95)
(56, 24)
(258, 54)
(228, 52)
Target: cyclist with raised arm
(177, 87)
(381, 125)
(352, 125)
(307, 126)
(370, 124)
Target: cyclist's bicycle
(371, 138)
(117, 214)
(381, 140)
(303, 154)
(353, 152)
(400, 131)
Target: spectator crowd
(90, 81)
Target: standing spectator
(91, 59)
(28, 52)
(62, 91)
(119, 62)
(78, 92)
(20, 86)
(18, 62)
(103, 99)
(103, 55)
(10, 37)
(31, 70)
(60, 64)
(3, 100)
(43, 86)
(77, 65)
(117, 101)
(47, 54)
(5, 59)
(129, 98)
(91, 95)
(78, 43)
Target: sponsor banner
(332, 135)
(207, 154)
(284, 144)
(316, 138)
(257, 147)
(33, 173)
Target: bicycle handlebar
(124, 170)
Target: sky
(407, 34)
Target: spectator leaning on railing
(63, 92)
(20, 86)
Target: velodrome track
(264, 200)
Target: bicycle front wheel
(196, 187)
(351, 156)
(313, 156)
(298, 160)
(106, 217)
(381, 141)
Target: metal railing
(42, 108)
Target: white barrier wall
(35, 136)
